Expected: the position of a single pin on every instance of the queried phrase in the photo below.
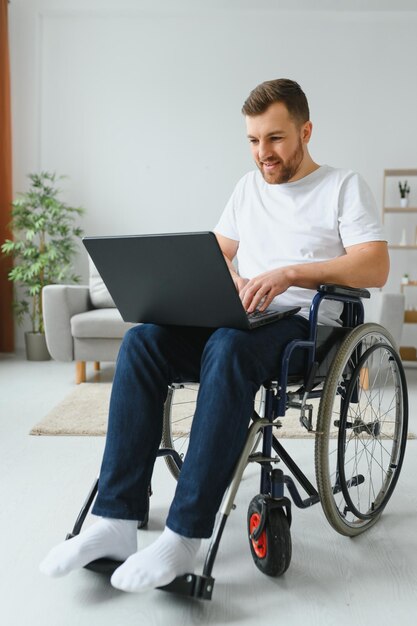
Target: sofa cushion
(99, 294)
(104, 323)
(386, 309)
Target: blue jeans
(230, 365)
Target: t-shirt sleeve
(359, 219)
(227, 224)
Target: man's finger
(265, 304)
(248, 292)
(249, 298)
(257, 299)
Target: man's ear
(306, 130)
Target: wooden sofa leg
(80, 372)
(364, 378)
(96, 366)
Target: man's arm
(363, 265)
(229, 248)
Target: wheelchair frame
(273, 481)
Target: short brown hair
(279, 90)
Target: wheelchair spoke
(365, 399)
(182, 419)
(178, 417)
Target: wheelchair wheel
(271, 552)
(361, 430)
(178, 416)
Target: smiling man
(295, 224)
(280, 154)
(291, 226)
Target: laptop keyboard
(259, 314)
(259, 318)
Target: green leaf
(44, 241)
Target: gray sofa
(83, 325)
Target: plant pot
(404, 203)
(36, 349)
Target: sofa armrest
(60, 303)
(387, 309)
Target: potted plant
(404, 191)
(43, 248)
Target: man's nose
(265, 151)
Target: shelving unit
(408, 353)
(398, 174)
(407, 209)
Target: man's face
(278, 144)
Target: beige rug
(84, 413)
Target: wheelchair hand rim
(342, 436)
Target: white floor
(332, 580)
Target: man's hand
(229, 248)
(259, 292)
(364, 265)
(239, 281)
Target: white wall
(139, 102)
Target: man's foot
(111, 538)
(157, 565)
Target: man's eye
(253, 141)
(276, 138)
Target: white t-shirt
(309, 220)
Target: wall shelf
(403, 172)
(400, 173)
(408, 209)
(408, 353)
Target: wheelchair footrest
(104, 566)
(194, 585)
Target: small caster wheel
(271, 551)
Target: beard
(286, 169)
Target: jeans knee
(142, 334)
(143, 344)
(228, 340)
(229, 349)
(144, 352)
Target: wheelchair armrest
(341, 290)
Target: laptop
(177, 279)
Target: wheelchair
(354, 381)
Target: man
(291, 226)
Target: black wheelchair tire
(325, 420)
(276, 537)
(167, 441)
(169, 438)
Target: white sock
(111, 538)
(169, 556)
